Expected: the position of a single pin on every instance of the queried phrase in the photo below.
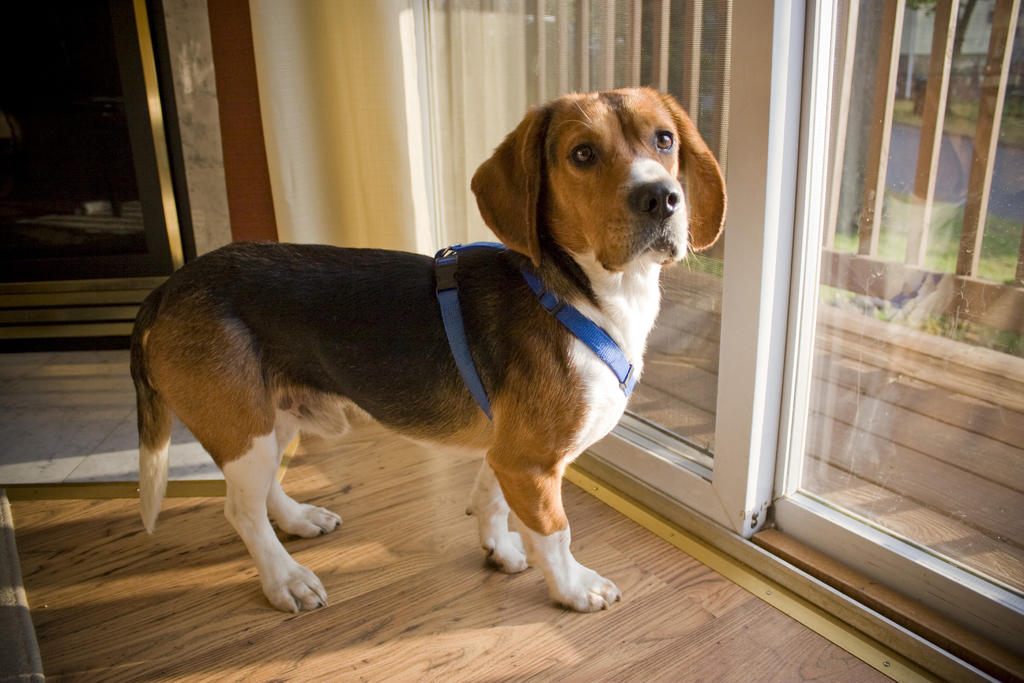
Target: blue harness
(446, 264)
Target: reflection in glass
(917, 402)
(67, 181)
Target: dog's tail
(154, 419)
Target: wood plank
(562, 19)
(976, 502)
(891, 32)
(606, 31)
(97, 298)
(24, 316)
(955, 356)
(986, 136)
(908, 613)
(933, 529)
(69, 330)
(539, 64)
(847, 41)
(674, 414)
(139, 283)
(675, 342)
(583, 45)
(687, 383)
(690, 319)
(693, 25)
(721, 84)
(660, 43)
(978, 454)
(634, 41)
(953, 366)
(927, 171)
(971, 414)
(411, 596)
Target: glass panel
(917, 399)
(76, 146)
(492, 59)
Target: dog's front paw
(506, 553)
(294, 589)
(308, 521)
(586, 591)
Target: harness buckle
(446, 265)
(624, 384)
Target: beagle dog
(255, 342)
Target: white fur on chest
(604, 399)
(629, 306)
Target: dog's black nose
(658, 200)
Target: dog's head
(601, 172)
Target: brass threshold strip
(860, 645)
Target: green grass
(698, 263)
(1000, 246)
(962, 119)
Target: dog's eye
(664, 141)
(583, 155)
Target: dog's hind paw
(296, 590)
(506, 553)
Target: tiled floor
(69, 417)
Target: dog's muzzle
(660, 214)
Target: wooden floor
(411, 596)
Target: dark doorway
(80, 182)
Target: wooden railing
(969, 297)
(594, 28)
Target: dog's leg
(297, 519)
(289, 586)
(536, 499)
(487, 503)
(569, 582)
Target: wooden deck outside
(914, 432)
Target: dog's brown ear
(705, 186)
(507, 186)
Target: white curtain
(370, 142)
(341, 106)
(478, 75)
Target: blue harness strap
(586, 330)
(446, 265)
